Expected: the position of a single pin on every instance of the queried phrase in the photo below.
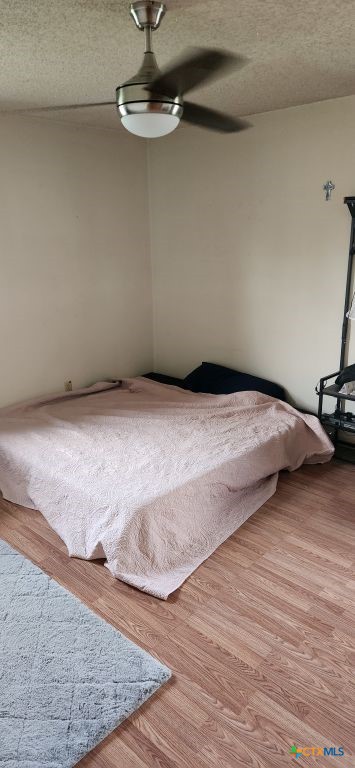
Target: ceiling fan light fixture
(150, 119)
(152, 102)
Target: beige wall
(249, 261)
(74, 257)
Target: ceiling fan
(152, 103)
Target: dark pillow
(346, 375)
(165, 379)
(218, 380)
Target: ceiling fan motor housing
(131, 97)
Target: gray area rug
(67, 678)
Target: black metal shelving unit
(341, 420)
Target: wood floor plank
(261, 638)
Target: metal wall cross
(328, 189)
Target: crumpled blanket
(148, 476)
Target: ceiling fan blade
(64, 106)
(196, 67)
(212, 120)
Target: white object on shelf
(348, 388)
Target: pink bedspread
(149, 476)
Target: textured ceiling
(67, 51)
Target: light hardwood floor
(261, 639)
